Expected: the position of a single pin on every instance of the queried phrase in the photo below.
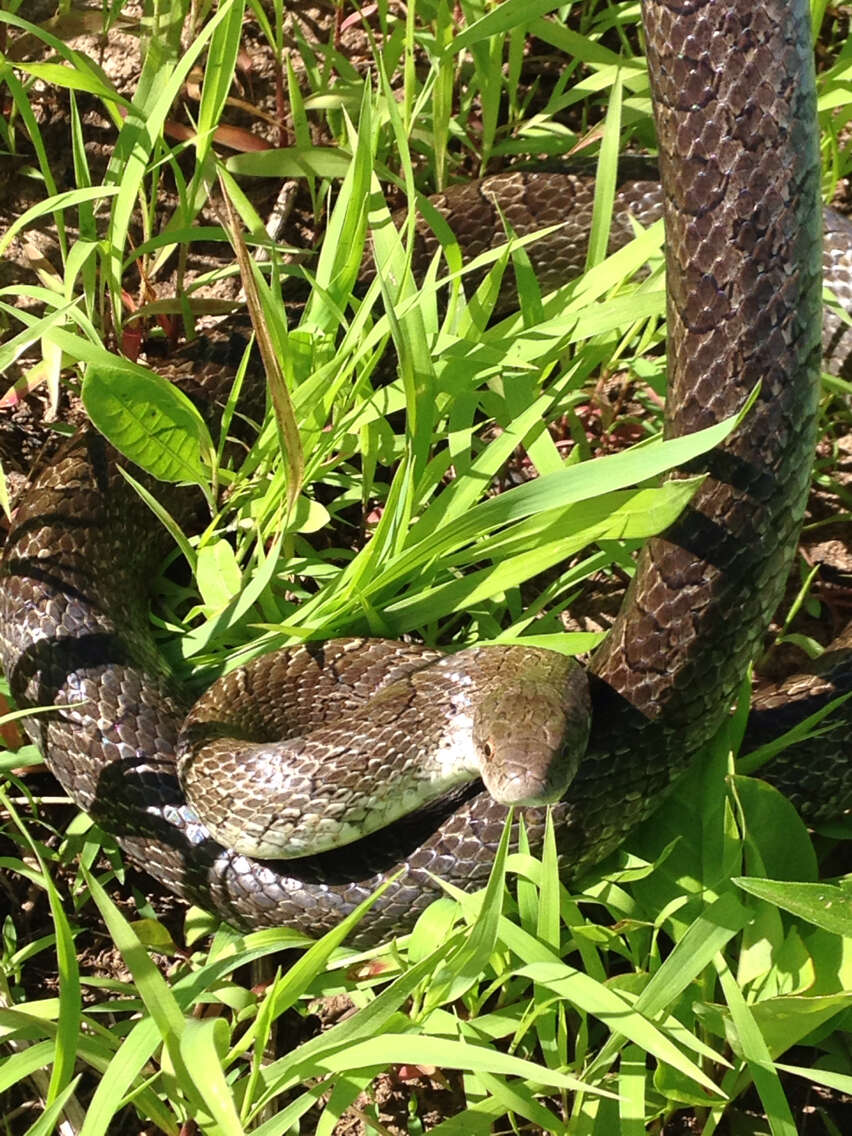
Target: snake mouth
(523, 785)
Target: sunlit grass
(656, 984)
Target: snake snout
(533, 778)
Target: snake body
(735, 107)
(529, 201)
(266, 756)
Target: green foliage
(149, 420)
(652, 984)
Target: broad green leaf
(217, 573)
(826, 905)
(148, 420)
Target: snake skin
(266, 756)
(735, 106)
(525, 202)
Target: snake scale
(735, 108)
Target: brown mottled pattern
(735, 102)
(481, 214)
(312, 747)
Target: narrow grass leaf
(292, 456)
(369, 1021)
(153, 988)
(18, 1066)
(755, 760)
(756, 1054)
(518, 1099)
(463, 493)
(499, 20)
(157, 91)
(129, 1062)
(463, 593)
(615, 1012)
(394, 1049)
(20, 98)
(70, 1003)
(694, 951)
(476, 1121)
(548, 910)
(218, 75)
(605, 179)
(573, 484)
(284, 1122)
(841, 1082)
(294, 983)
(14, 347)
(344, 1093)
(342, 250)
(50, 1117)
(64, 200)
(320, 161)
(203, 1045)
(576, 45)
(79, 61)
(163, 516)
(73, 79)
(464, 967)
(631, 1091)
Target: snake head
(531, 725)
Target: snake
(734, 100)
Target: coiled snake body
(735, 106)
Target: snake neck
(740, 170)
